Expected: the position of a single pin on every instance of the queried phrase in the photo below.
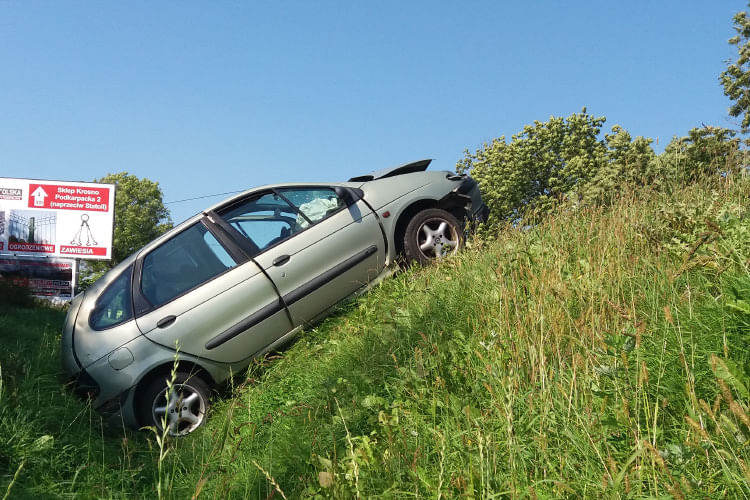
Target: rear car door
(200, 293)
(317, 244)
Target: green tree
(627, 162)
(563, 160)
(140, 216)
(546, 162)
(703, 152)
(736, 78)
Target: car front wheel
(182, 409)
(432, 234)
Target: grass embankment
(601, 353)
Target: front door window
(271, 218)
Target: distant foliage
(563, 161)
(736, 78)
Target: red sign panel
(82, 251)
(62, 197)
(31, 247)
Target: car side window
(316, 204)
(182, 263)
(270, 218)
(114, 306)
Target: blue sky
(209, 97)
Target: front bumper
(468, 196)
(482, 213)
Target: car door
(317, 244)
(200, 293)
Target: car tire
(432, 234)
(187, 406)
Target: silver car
(242, 277)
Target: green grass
(597, 354)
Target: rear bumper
(118, 409)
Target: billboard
(56, 218)
(49, 278)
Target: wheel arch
(164, 371)
(454, 204)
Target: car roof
(407, 168)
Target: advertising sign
(49, 278)
(56, 218)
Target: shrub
(562, 162)
(12, 294)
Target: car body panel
(380, 192)
(92, 345)
(147, 356)
(423, 187)
(328, 262)
(217, 307)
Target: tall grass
(575, 358)
(597, 354)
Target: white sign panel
(56, 218)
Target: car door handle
(281, 260)
(166, 321)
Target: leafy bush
(541, 165)
(562, 162)
(14, 295)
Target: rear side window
(114, 305)
(182, 263)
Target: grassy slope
(600, 354)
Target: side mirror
(349, 195)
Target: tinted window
(182, 263)
(268, 219)
(114, 305)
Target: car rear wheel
(183, 409)
(432, 234)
